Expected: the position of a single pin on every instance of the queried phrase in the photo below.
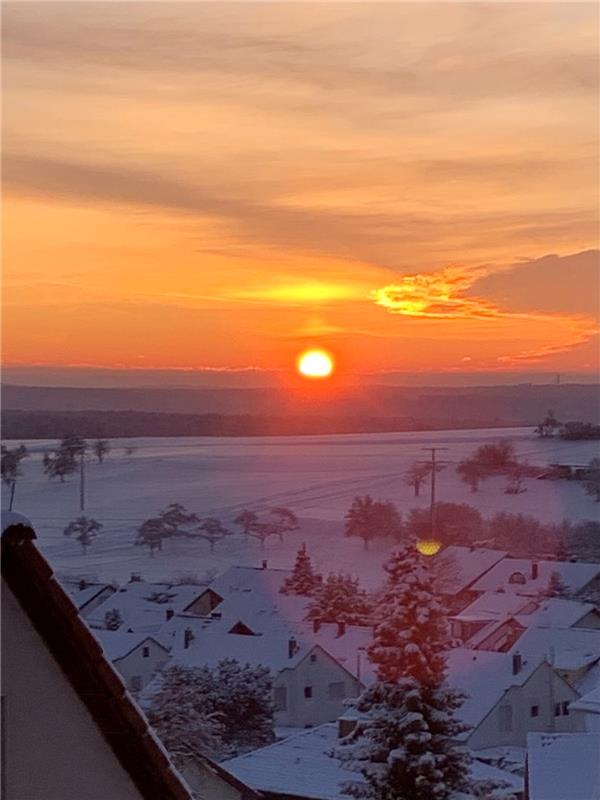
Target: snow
(459, 566)
(589, 703)
(574, 576)
(557, 612)
(315, 476)
(118, 644)
(563, 766)
(565, 648)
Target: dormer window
(517, 577)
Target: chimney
(517, 663)
(316, 625)
(82, 585)
(188, 637)
(292, 646)
(341, 630)
(535, 570)
(345, 726)
(264, 563)
(135, 577)
(169, 614)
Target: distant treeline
(579, 430)
(117, 424)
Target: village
(525, 651)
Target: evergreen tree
(304, 580)
(403, 742)
(84, 529)
(340, 599)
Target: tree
(212, 530)
(84, 529)
(370, 518)
(303, 581)
(516, 476)
(455, 523)
(10, 461)
(592, 479)
(247, 519)
(101, 448)
(284, 521)
(548, 425)
(402, 744)
(75, 446)
(113, 620)
(417, 475)
(178, 520)
(471, 473)
(59, 463)
(217, 713)
(340, 599)
(495, 458)
(151, 533)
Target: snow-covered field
(315, 476)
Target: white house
(532, 577)
(136, 656)
(509, 695)
(69, 727)
(564, 766)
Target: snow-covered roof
(484, 676)
(141, 613)
(459, 567)
(118, 644)
(589, 703)
(81, 592)
(574, 576)
(563, 766)
(300, 766)
(10, 518)
(297, 766)
(494, 605)
(558, 613)
(565, 648)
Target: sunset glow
(315, 364)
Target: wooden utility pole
(82, 483)
(13, 487)
(434, 465)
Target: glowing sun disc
(315, 364)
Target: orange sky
(219, 185)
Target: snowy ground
(316, 476)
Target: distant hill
(38, 412)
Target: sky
(211, 188)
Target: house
(563, 766)
(531, 577)
(87, 595)
(301, 767)
(461, 567)
(509, 695)
(69, 726)
(136, 657)
(588, 705)
(309, 684)
(144, 607)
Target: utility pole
(82, 483)
(434, 464)
(13, 487)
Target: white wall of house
(52, 747)
(511, 719)
(139, 666)
(328, 684)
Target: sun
(315, 364)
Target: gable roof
(574, 576)
(55, 618)
(459, 567)
(119, 644)
(565, 648)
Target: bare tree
(84, 529)
(417, 475)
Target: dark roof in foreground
(98, 686)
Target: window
(534, 711)
(145, 652)
(308, 692)
(313, 657)
(136, 683)
(517, 577)
(505, 718)
(280, 698)
(561, 709)
(337, 691)
(565, 709)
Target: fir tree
(402, 744)
(340, 599)
(303, 581)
